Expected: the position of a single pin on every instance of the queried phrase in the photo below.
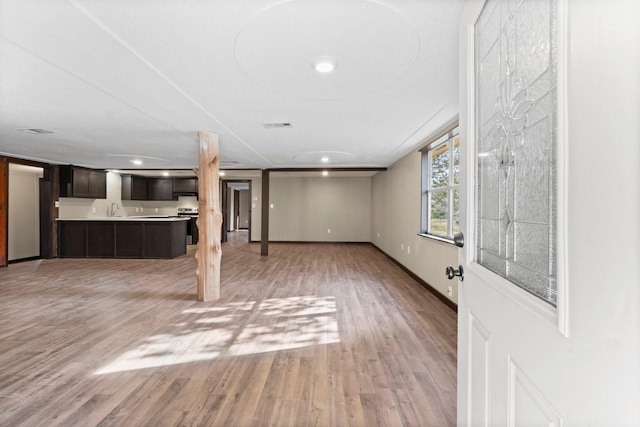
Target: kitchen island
(122, 237)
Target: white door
(562, 222)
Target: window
(440, 182)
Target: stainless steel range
(192, 227)
(188, 211)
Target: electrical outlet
(156, 210)
(450, 291)
(141, 209)
(56, 204)
(329, 230)
(137, 209)
(378, 235)
(408, 249)
(402, 247)
(93, 210)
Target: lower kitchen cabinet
(122, 238)
(100, 239)
(129, 240)
(74, 236)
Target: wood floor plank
(312, 335)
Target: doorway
(236, 211)
(24, 222)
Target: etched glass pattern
(515, 128)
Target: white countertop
(158, 218)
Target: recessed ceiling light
(324, 160)
(221, 173)
(325, 173)
(136, 162)
(324, 64)
(165, 173)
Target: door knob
(458, 240)
(451, 273)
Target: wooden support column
(209, 253)
(264, 235)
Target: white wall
(231, 214)
(256, 209)
(395, 220)
(24, 212)
(245, 200)
(305, 208)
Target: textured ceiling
(117, 80)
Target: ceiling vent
(277, 125)
(35, 131)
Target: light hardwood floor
(313, 335)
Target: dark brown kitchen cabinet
(134, 187)
(141, 238)
(82, 183)
(100, 239)
(160, 189)
(74, 236)
(185, 185)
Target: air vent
(277, 125)
(35, 131)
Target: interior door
(549, 306)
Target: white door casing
(522, 361)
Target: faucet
(113, 210)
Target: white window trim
(425, 217)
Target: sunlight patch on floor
(210, 332)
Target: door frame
(225, 206)
(48, 194)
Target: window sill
(437, 238)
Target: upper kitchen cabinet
(161, 189)
(185, 186)
(134, 187)
(82, 183)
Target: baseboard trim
(452, 305)
(31, 258)
(320, 242)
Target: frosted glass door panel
(515, 49)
